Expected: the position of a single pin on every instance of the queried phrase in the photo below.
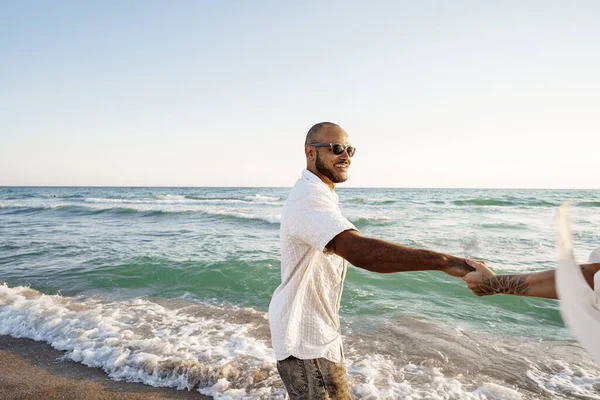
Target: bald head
(313, 134)
(321, 160)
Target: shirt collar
(306, 174)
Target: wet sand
(34, 370)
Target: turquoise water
(219, 248)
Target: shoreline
(35, 370)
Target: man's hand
(478, 280)
(460, 267)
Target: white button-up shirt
(304, 310)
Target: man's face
(334, 168)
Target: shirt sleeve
(316, 220)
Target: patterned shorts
(316, 379)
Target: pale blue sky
(221, 93)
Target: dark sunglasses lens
(337, 149)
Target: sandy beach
(34, 370)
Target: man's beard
(331, 174)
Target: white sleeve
(316, 220)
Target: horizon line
(284, 187)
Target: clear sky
(221, 93)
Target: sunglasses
(336, 148)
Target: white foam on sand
(379, 377)
(205, 348)
(560, 378)
(141, 341)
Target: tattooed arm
(536, 284)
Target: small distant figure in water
(484, 282)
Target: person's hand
(477, 279)
(462, 268)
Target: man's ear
(309, 151)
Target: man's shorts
(316, 379)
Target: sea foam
(222, 352)
(141, 341)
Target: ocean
(170, 287)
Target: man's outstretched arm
(535, 284)
(385, 257)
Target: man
(317, 243)
(483, 282)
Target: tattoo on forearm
(504, 284)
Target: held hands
(464, 266)
(478, 280)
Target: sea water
(170, 287)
